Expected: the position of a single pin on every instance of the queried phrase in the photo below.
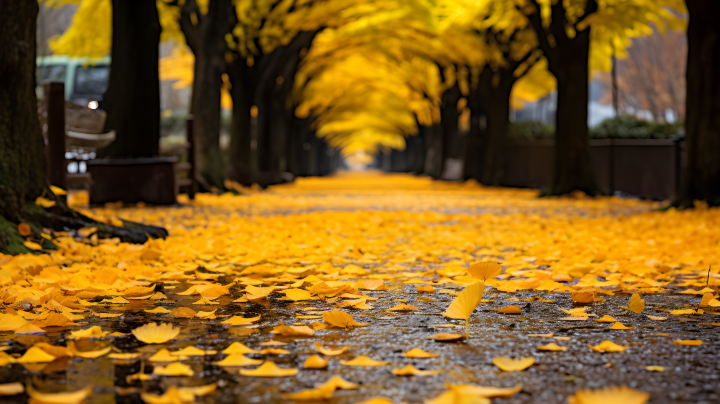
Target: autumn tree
(22, 150)
(701, 171)
(205, 25)
(565, 30)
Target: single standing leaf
(485, 270)
(637, 304)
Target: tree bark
(498, 121)
(132, 99)
(433, 140)
(207, 42)
(701, 167)
(243, 166)
(451, 146)
(22, 150)
(568, 62)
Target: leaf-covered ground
(284, 280)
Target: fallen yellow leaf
(637, 304)
(35, 355)
(419, 353)
(624, 395)
(512, 309)
(485, 270)
(173, 369)
(11, 389)
(152, 333)
(329, 352)
(509, 364)
(269, 369)
(238, 359)
(340, 319)
(689, 342)
(363, 361)
(409, 370)
(59, 398)
(607, 346)
(620, 326)
(551, 347)
(315, 362)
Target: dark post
(191, 155)
(55, 110)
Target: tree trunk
(451, 147)
(475, 140)
(132, 100)
(433, 139)
(207, 41)
(701, 168)
(22, 151)
(573, 163)
(498, 121)
(243, 166)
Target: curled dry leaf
(419, 353)
(193, 351)
(424, 288)
(363, 361)
(586, 295)
(152, 333)
(269, 369)
(485, 270)
(315, 362)
(88, 354)
(35, 355)
(653, 368)
(624, 395)
(402, 307)
(509, 364)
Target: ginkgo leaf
(92, 332)
(315, 362)
(402, 307)
(44, 202)
(274, 351)
(237, 320)
(193, 351)
(88, 354)
(339, 383)
(238, 359)
(447, 337)
(466, 302)
(152, 333)
(293, 330)
(340, 319)
(419, 353)
(164, 355)
(363, 361)
(681, 312)
(485, 270)
(370, 284)
(9, 322)
(512, 309)
(607, 346)
(29, 328)
(606, 319)
(11, 389)
(551, 347)
(59, 398)
(624, 395)
(424, 288)
(35, 355)
(486, 392)
(376, 400)
(127, 356)
(620, 326)
(238, 348)
(320, 393)
(171, 396)
(54, 350)
(329, 352)
(297, 295)
(653, 368)
(509, 364)
(689, 342)
(158, 309)
(409, 370)
(173, 369)
(637, 304)
(269, 369)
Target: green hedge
(623, 127)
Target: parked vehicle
(85, 79)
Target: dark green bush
(628, 127)
(623, 127)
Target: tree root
(62, 218)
